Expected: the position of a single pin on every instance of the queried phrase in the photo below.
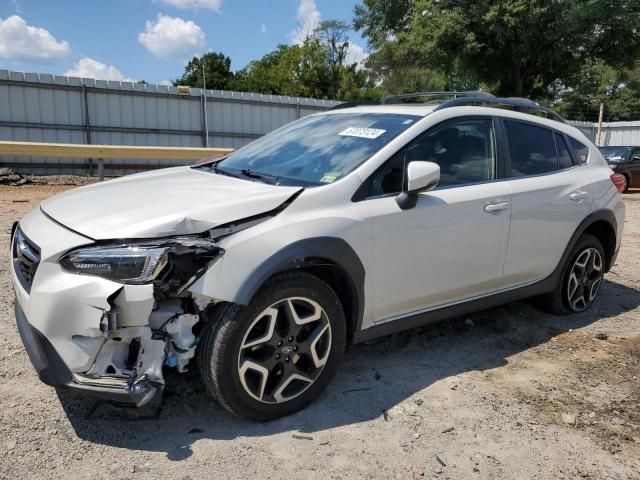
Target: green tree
(317, 68)
(217, 68)
(596, 83)
(514, 47)
(275, 73)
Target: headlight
(175, 261)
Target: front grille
(26, 258)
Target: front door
(451, 245)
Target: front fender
(217, 285)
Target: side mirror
(421, 176)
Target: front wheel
(581, 279)
(276, 355)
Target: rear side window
(580, 151)
(564, 158)
(532, 149)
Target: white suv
(334, 229)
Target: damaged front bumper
(53, 371)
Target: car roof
(424, 110)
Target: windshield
(616, 153)
(315, 150)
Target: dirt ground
(509, 393)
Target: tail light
(619, 181)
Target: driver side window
(464, 150)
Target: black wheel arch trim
(304, 253)
(599, 215)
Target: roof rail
(461, 99)
(357, 103)
(391, 98)
(517, 104)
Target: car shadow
(374, 377)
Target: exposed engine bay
(132, 357)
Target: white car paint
(447, 227)
(447, 249)
(171, 201)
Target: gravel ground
(509, 393)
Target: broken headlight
(175, 262)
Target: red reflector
(619, 181)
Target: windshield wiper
(219, 170)
(270, 179)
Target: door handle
(496, 207)
(578, 196)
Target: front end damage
(84, 330)
(102, 275)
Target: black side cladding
(304, 253)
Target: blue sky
(151, 39)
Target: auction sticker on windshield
(362, 132)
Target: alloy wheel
(284, 350)
(585, 279)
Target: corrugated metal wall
(621, 133)
(52, 108)
(588, 128)
(59, 109)
(613, 133)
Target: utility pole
(204, 107)
(599, 134)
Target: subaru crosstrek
(263, 266)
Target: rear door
(551, 194)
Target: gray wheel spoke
(319, 357)
(583, 260)
(294, 316)
(595, 286)
(578, 303)
(271, 316)
(597, 262)
(279, 392)
(574, 283)
(260, 370)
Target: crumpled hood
(171, 201)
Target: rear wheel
(581, 278)
(276, 355)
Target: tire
(561, 302)
(274, 356)
(625, 187)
